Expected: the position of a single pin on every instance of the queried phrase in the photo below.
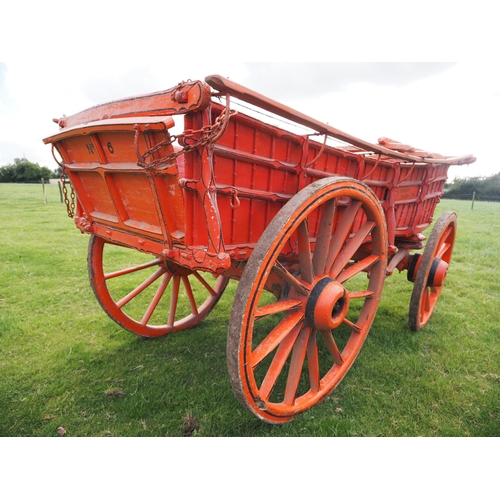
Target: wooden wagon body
(232, 196)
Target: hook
(235, 201)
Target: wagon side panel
(436, 179)
(418, 190)
(256, 168)
(254, 171)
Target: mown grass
(64, 365)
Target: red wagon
(311, 231)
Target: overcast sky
(103, 53)
(435, 106)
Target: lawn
(66, 368)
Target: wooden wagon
(311, 231)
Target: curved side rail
(223, 84)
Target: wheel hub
(437, 273)
(413, 267)
(327, 305)
(175, 268)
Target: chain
(208, 134)
(69, 202)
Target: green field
(65, 365)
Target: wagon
(310, 229)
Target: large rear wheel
(149, 296)
(307, 298)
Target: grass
(66, 368)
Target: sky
(57, 61)
(449, 108)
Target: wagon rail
(391, 149)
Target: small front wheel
(307, 298)
(432, 270)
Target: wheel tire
(288, 354)
(437, 255)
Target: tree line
(23, 170)
(485, 188)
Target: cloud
(104, 87)
(11, 150)
(295, 80)
(3, 90)
(110, 82)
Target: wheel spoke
(361, 295)
(356, 268)
(173, 301)
(332, 347)
(280, 331)
(350, 248)
(129, 270)
(158, 295)
(278, 362)
(447, 232)
(434, 293)
(444, 247)
(277, 307)
(189, 291)
(204, 283)
(296, 365)
(304, 251)
(312, 361)
(342, 231)
(141, 287)
(426, 300)
(289, 278)
(355, 328)
(323, 238)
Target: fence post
(60, 191)
(44, 192)
(473, 198)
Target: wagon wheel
(304, 306)
(149, 297)
(432, 269)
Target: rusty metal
(296, 221)
(189, 140)
(69, 202)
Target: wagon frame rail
(224, 85)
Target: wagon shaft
(180, 192)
